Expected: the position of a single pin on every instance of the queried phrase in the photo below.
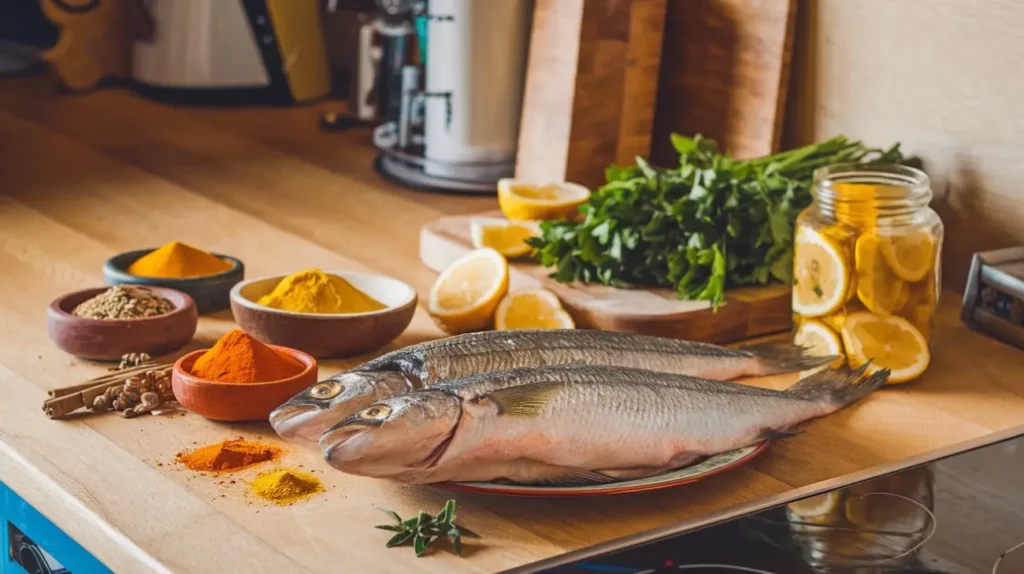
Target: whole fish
(575, 424)
(307, 415)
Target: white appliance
(475, 68)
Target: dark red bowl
(108, 340)
(233, 401)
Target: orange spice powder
(228, 455)
(239, 358)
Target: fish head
(395, 436)
(308, 414)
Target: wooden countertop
(83, 177)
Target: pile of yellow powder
(313, 291)
(285, 486)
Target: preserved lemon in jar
(866, 268)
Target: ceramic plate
(707, 467)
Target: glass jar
(867, 266)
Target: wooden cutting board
(749, 312)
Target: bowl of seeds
(105, 323)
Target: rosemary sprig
(424, 529)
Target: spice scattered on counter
(178, 260)
(228, 455)
(285, 486)
(313, 291)
(122, 302)
(129, 360)
(239, 358)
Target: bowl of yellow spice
(204, 276)
(325, 313)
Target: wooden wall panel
(946, 78)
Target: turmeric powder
(285, 486)
(313, 291)
(177, 260)
(228, 455)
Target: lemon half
(504, 236)
(532, 309)
(466, 294)
(818, 338)
(521, 200)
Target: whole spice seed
(123, 302)
(130, 360)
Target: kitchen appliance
(233, 51)
(457, 123)
(994, 297)
(957, 512)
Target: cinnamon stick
(68, 403)
(115, 375)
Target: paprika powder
(239, 358)
(228, 455)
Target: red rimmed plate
(707, 467)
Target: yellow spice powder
(285, 486)
(313, 291)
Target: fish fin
(839, 387)
(525, 400)
(776, 357)
(770, 434)
(576, 478)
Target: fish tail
(781, 357)
(839, 387)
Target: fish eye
(326, 390)
(375, 413)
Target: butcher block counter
(84, 177)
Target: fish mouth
(339, 436)
(289, 421)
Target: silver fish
(307, 415)
(575, 424)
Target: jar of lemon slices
(866, 265)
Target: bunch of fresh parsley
(712, 223)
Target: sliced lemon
(532, 309)
(909, 255)
(828, 504)
(504, 236)
(818, 338)
(523, 201)
(466, 294)
(888, 342)
(821, 274)
(878, 287)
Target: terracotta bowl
(107, 340)
(210, 292)
(234, 402)
(327, 335)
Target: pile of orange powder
(239, 358)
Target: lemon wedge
(532, 309)
(821, 274)
(881, 290)
(524, 201)
(819, 506)
(466, 294)
(818, 338)
(888, 342)
(504, 236)
(909, 255)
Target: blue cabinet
(28, 538)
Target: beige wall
(946, 78)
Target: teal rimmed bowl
(211, 292)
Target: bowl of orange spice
(240, 378)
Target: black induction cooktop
(959, 514)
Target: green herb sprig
(424, 529)
(712, 223)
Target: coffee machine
(449, 119)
